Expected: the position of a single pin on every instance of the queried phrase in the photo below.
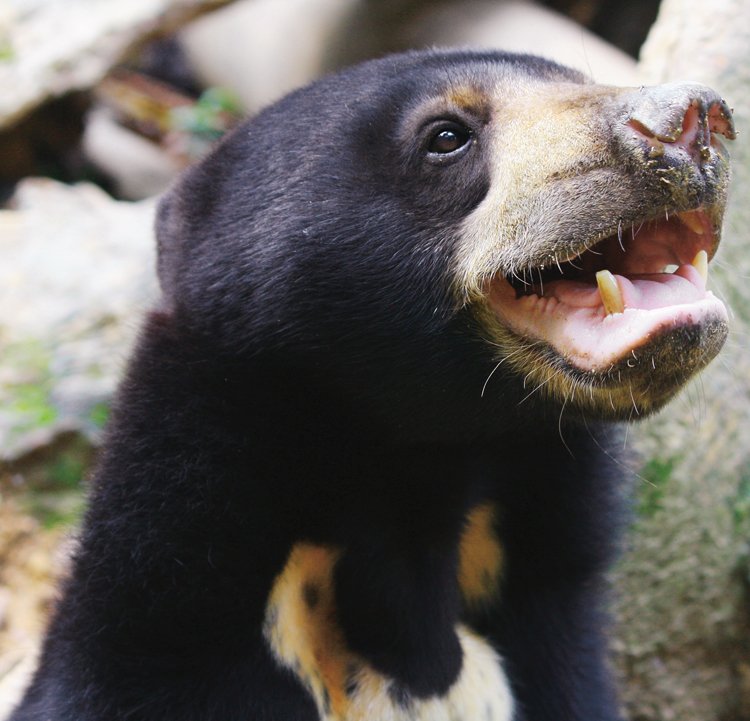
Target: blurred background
(103, 102)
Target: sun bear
(362, 465)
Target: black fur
(309, 376)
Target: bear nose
(679, 116)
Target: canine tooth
(610, 292)
(693, 222)
(700, 263)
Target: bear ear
(169, 227)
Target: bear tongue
(643, 292)
(649, 292)
(572, 318)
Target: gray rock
(515, 25)
(50, 47)
(682, 641)
(138, 167)
(262, 49)
(77, 272)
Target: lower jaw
(632, 385)
(587, 338)
(644, 382)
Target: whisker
(559, 428)
(507, 357)
(634, 232)
(541, 385)
(617, 461)
(632, 398)
(492, 372)
(619, 234)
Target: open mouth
(622, 293)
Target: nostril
(690, 129)
(678, 116)
(656, 146)
(696, 136)
(641, 129)
(693, 130)
(720, 120)
(684, 134)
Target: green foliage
(53, 491)
(220, 100)
(211, 115)
(31, 401)
(61, 508)
(656, 474)
(740, 506)
(27, 397)
(7, 52)
(99, 414)
(740, 510)
(66, 472)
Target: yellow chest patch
(480, 558)
(302, 632)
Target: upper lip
(641, 248)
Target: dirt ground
(36, 539)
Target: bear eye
(449, 139)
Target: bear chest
(303, 635)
